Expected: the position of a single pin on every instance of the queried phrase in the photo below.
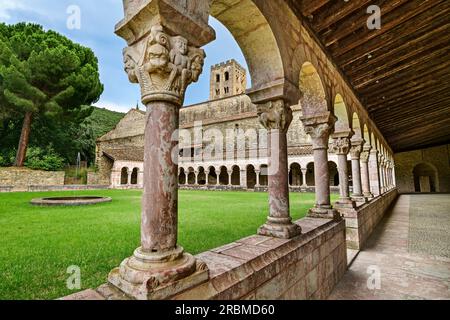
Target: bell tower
(227, 79)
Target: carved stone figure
(341, 146)
(166, 64)
(274, 115)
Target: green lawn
(38, 244)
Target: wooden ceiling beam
(396, 56)
(425, 20)
(441, 54)
(336, 11)
(400, 21)
(405, 78)
(400, 102)
(359, 19)
(309, 7)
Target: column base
(324, 213)
(345, 204)
(359, 199)
(280, 228)
(158, 276)
(368, 195)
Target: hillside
(103, 120)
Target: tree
(44, 74)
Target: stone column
(319, 127)
(164, 59)
(304, 171)
(243, 178)
(355, 153)
(130, 173)
(341, 146)
(380, 169)
(218, 177)
(230, 172)
(258, 172)
(276, 117)
(374, 173)
(196, 173)
(365, 179)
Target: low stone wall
(257, 189)
(23, 179)
(361, 222)
(67, 188)
(258, 267)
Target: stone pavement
(404, 255)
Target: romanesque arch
(182, 176)
(201, 177)
(191, 176)
(340, 111)
(212, 176)
(223, 176)
(425, 178)
(313, 96)
(295, 175)
(236, 176)
(124, 176)
(251, 176)
(134, 176)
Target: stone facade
(431, 164)
(23, 179)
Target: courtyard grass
(38, 244)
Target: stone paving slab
(404, 273)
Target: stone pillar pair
(374, 173)
(163, 58)
(276, 117)
(355, 152)
(365, 176)
(319, 127)
(304, 171)
(341, 147)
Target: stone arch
(201, 177)
(372, 140)
(425, 178)
(236, 176)
(182, 177)
(212, 175)
(313, 95)
(223, 176)
(366, 134)
(124, 176)
(295, 175)
(191, 176)
(254, 36)
(134, 176)
(251, 176)
(341, 113)
(334, 174)
(356, 127)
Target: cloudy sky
(97, 32)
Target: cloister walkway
(411, 250)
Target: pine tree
(44, 73)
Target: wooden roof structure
(400, 72)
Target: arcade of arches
(298, 85)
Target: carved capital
(341, 146)
(365, 154)
(275, 115)
(319, 127)
(163, 65)
(356, 149)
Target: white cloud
(6, 6)
(114, 106)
